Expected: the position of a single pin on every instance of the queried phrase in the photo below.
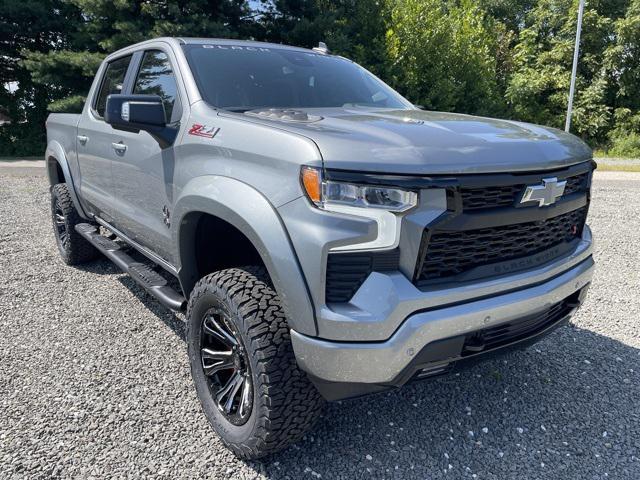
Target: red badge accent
(203, 130)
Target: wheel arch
(58, 172)
(243, 214)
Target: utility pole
(574, 72)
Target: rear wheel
(73, 248)
(245, 373)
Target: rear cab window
(112, 82)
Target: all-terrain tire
(285, 403)
(73, 248)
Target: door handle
(119, 147)
(83, 139)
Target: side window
(156, 78)
(112, 82)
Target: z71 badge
(203, 130)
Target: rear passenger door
(142, 171)
(95, 138)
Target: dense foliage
(507, 58)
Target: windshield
(244, 78)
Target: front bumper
(343, 369)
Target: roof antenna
(321, 48)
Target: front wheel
(245, 373)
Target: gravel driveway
(95, 381)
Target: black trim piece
(468, 180)
(510, 216)
(143, 250)
(155, 284)
(346, 272)
(403, 181)
(129, 79)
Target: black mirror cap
(135, 112)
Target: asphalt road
(94, 380)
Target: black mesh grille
(575, 184)
(346, 272)
(489, 197)
(505, 196)
(452, 253)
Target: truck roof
(231, 41)
(207, 41)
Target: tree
(543, 57)
(39, 26)
(353, 28)
(107, 26)
(622, 61)
(443, 54)
(511, 13)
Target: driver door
(142, 171)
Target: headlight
(379, 203)
(327, 193)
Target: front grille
(484, 232)
(520, 329)
(450, 253)
(577, 183)
(478, 198)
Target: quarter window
(112, 82)
(156, 78)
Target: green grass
(603, 167)
(600, 153)
(607, 162)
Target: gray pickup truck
(326, 238)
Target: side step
(148, 278)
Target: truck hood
(421, 142)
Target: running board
(146, 277)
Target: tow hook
(474, 344)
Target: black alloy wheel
(227, 367)
(60, 224)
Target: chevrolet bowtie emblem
(545, 194)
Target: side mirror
(139, 112)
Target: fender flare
(55, 155)
(252, 214)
